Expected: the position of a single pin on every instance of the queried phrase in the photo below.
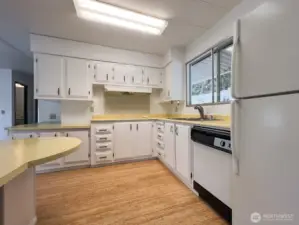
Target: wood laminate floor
(142, 193)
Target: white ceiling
(188, 19)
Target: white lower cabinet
(132, 139)
(182, 151)
(141, 143)
(122, 140)
(56, 163)
(82, 154)
(78, 158)
(169, 142)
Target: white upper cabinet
(154, 77)
(134, 75)
(173, 82)
(103, 72)
(48, 76)
(119, 73)
(56, 77)
(78, 83)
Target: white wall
(5, 101)
(46, 108)
(13, 59)
(56, 46)
(121, 104)
(222, 30)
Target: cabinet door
(48, 76)
(122, 137)
(169, 144)
(143, 138)
(120, 73)
(77, 78)
(16, 136)
(167, 85)
(182, 150)
(154, 77)
(82, 153)
(135, 76)
(56, 162)
(104, 72)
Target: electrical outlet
(52, 116)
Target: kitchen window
(209, 76)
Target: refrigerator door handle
(234, 65)
(235, 137)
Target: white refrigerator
(265, 115)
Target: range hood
(127, 89)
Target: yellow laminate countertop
(213, 123)
(47, 126)
(18, 155)
(221, 122)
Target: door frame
(25, 101)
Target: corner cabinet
(169, 141)
(63, 78)
(182, 151)
(173, 85)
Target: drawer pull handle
(102, 130)
(103, 157)
(105, 146)
(103, 139)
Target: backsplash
(127, 104)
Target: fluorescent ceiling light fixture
(104, 13)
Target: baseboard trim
(33, 221)
(63, 169)
(123, 161)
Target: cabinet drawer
(104, 129)
(104, 156)
(160, 137)
(104, 146)
(161, 154)
(103, 138)
(160, 145)
(160, 129)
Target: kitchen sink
(196, 119)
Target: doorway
(20, 103)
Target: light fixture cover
(104, 13)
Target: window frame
(209, 52)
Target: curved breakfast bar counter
(17, 174)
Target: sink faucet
(201, 111)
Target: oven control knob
(222, 143)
